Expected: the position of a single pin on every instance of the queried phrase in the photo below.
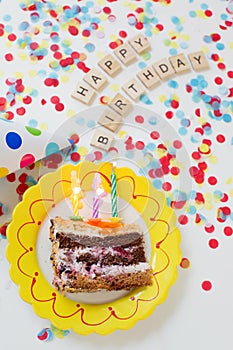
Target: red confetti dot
(9, 57)
(169, 114)
(23, 177)
(208, 13)
(218, 80)
(55, 99)
(185, 263)
(21, 188)
(107, 10)
(174, 104)
(213, 243)
(54, 47)
(86, 33)
(151, 173)
(160, 27)
(57, 55)
(75, 156)
(27, 100)
(122, 34)
(206, 285)
(139, 119)
(48, 81)
(177, 144)
(73, 30)
(166, 186)
(113, 45)
(59, 107)
(11, 177)
(212, 180)
(155, 135)
(183, 219)
(209, 228)
(139, 145)
(228, 231)
(230, 73)
(98, 155)
(175, 170)
(21, 111)
(215, 37)
(196, 155)
(74, 138)
(9, 115)
(221, 65)
(12, 37)
(220, 138)
(139, 25)
(215, 57)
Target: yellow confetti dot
(205, 49)
(231, 45)
(229, 180)
(23, 56)
(174, 45)
(18, 75)
(43, 126)
(204, 148)
(103, 16)
(115, 87)
(65, 78)
(146, 56)
(113, 37)
(82, 150)
(121, 134)
(185, 37)
(32, 73)
(1, 73)
(162, 98)
(231, 192)
(213, 159)
(44, 44)
(3, 171)
(70, 113)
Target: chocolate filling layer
(71, 241)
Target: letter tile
(102, 139)
(83, 93)
(125, 54)
(110, 65)
(198, 60)
(120, 104)
(148, 77)
(180, 63)
(95, 79)
(134, 89)
(110, 120)
(140, 43)
(164, 69)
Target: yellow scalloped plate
(63, 312)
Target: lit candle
(76, 194)
(113, 193)
(99, 193)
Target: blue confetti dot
(91, 124)
(23, 26)
(194, 82)
(220, 46)
(51, 148)
(183, 131)
(227, 118)
(175, 20)
(173, 84)
(192, 14)
(173, 52)
(90, 47)
(183, 45)
(33, 123)
(6, 18)
(157, 183)
(207, 39)
(152, 120)
(204, 6)
(142, 65)
(13, 140)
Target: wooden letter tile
(139, 43)
(148, 77)
(134, 89)
(180, 63)
(95, 79)
(125, 54)
(198, 60)
(120, 104)
(110, 65)
(164, 69)
(102, 139)
(83, 93)
(110, 120)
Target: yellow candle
(76, 194)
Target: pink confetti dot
(139, 119)
(86, 33)
(206, 285)
(59, 107)
(213, 243)
(98, 155)
(12, 37)
(220, 138)
(228, 231)
(212, 180)
(155, 135)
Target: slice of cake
(89, 258)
